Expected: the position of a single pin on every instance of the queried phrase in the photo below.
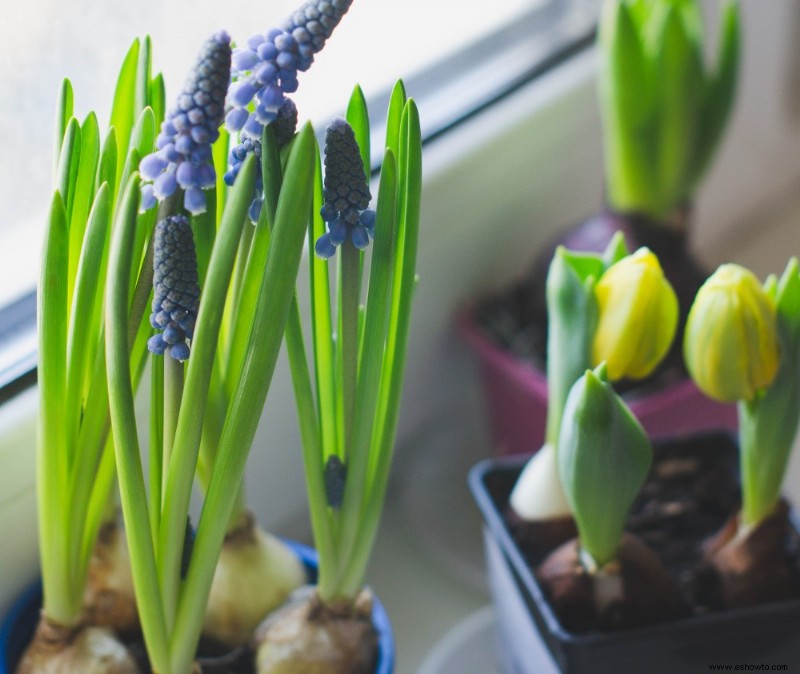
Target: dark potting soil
(690, 493)
(516, 318)
(213, 658)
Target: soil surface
(213, 658)
(691, 491)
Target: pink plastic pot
(516, 400)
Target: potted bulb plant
(663, 112)
(86, 583)
(742, 344)
(730, 595)
(219, 271)
(608, 308)
(348, 403)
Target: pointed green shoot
(603, 458)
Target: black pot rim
(675, 628)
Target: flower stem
(173, 393)
(350, 291)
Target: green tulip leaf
(603, 458)
(768, 424)
(663, 110)
(572, 319)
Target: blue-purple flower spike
(346, 192)
(183, 159)
(266, 69)
(176, 293)
(285, 126)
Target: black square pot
(533, 641)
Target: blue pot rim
(21, 619)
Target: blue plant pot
(19, 624)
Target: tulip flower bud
(638, 315)
(731, 343)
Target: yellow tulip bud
(637, 316)
(731, 342)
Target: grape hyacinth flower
(285, 125)
(266, 69)
(176, 293)
(183, 159)
(346, 192)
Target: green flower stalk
(75, 459)
(250, 556)
(608, 308)
(663, 109)
(742, 343)
(348, 400)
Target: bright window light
(43, 41)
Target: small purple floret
(285, 126)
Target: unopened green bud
(638, 315)
(731, 343)
(603, 458)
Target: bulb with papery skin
(255, 574)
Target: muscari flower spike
(285, 126)
(176, 293)
(346, 192)
(183, 158)
(266, 69)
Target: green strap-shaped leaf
(403, 285)
(394, 114)
(157, 98)
(358, 118)
(84, 190)
(371, 363)
(68, 164)
(720, 91)
(142, 143)
(107, 166)
(126, 442)
(51, 445)
(123, 109)
(322, 333)
(143, 76)
(219, 152)
(179, 478)
(275, 299)
(64, 112)
(626, 89)
(679, 69)
(83, 333)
